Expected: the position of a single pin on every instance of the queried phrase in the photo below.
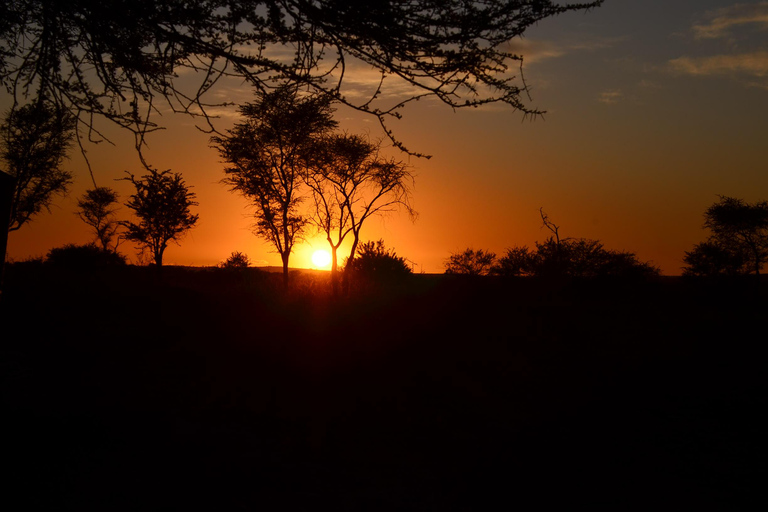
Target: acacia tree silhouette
(267, 154)
(162, 203)
(470, 262)
(97, 208)
(738, 243)
(572, 257)
(350, 182)
(34, 140)
(118, 59)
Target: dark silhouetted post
(7, 185)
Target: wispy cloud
(752, 64)
(720, 22)
(649, 84)
(538, 50)
(610, 97)
(534, 51)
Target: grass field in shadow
(206, 389)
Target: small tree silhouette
(470, 262)
(83, 257)
(97, 208)
(34, 141)
(236, 260)
(740, 228)
(162, 203)
(570, 257)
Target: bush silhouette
(83, 257)
(375, 261)
(471, 263)
(236, 260)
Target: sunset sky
(653, 109)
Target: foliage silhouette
(97, 208)
(580, 258)
(738, 243)
(584, 258)
(374, 263)
(516, 262)
(119, 59)
(267, 155)
(236, 260)
(470, 262)
(571, 257)
(34, 140)
(84, 257)
(714, 259)
(350, 182)
(162, 203)
(555, 257)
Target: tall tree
(351, 181)
(97, 208)
(34, 140)
(162, 203)
(118, 58)
(267, 156)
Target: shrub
(470, 262)
(376, 261)
(83, 256)
(236, 260)
(581, 258)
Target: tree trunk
(7, 186)
(334, 271)
(345, 277)
(285, 257)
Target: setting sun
(321, 258)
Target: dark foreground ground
(216, 391)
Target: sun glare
(321, 258)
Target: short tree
(162, 203)
(570, 257)
(516, 262)
(97, 208)
(236, 260)
(470, 262)
(267, 153)
(34, 140)
(740, 228)
(83, 257)
(713, 259)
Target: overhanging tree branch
(113, 59)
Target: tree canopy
(119, 59)
(97, 207)
(34, 140)
(571, 257)
(162, 203)
(470, 262)
(738, 241)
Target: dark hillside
(214, 390)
